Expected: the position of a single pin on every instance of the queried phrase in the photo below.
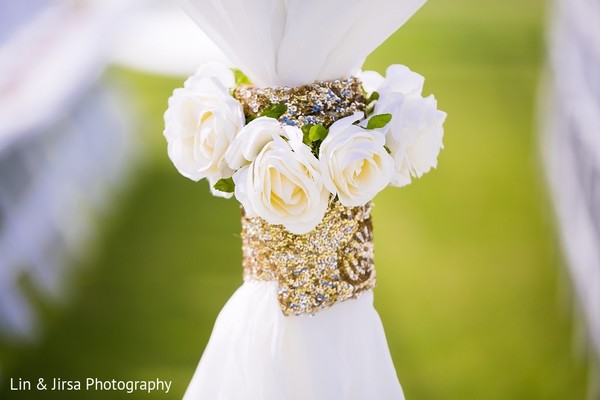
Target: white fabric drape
(571, 144)
(256, 353)
(296, 42)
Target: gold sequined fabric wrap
(330, 264)
(321, 102)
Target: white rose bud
(354, 162)
(200, 123)
(400, 79)
(282, 185)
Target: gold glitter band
(321, 102)
(330, 264)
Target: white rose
(414, 136)
(250, 141)
(282, 185)
(200, 123)
(354, 162)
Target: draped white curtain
(295, 42)
(572, 148)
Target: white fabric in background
(256, 353)
(296, 42)
(161, 39)
(571, 144)
(64, 145)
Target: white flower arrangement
(287, 175)
(414, 135)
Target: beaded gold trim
(321, 102)
(330, 264)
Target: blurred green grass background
(469, 277)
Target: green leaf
(274, 110)
(240, 78)
(374, 96)
(379, 121)
(305, 134)
(317, 132)
(306, 128)
(370, 109)
(225, 185)
(387, 149)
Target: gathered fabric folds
(296, 42)
(257, 353)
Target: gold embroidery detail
(321, 102)
(330, 264)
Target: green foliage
(370, 101)
(240, 78)
(274, 110)
(313, 135)
(373, 97)
(317, 132)
(379, 121)
(306, 134)
(225, 185)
